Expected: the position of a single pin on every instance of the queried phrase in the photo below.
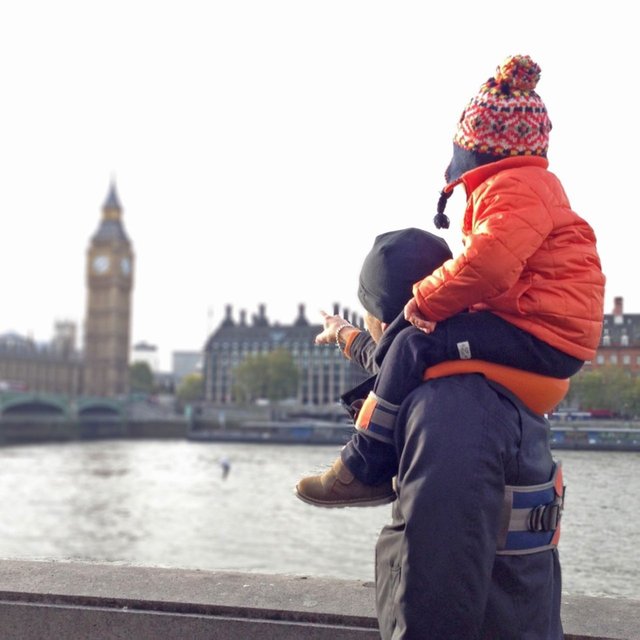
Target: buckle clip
(545, 517)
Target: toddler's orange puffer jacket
(527, 257)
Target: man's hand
(331, 325)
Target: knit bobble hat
(507, 117)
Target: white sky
(259, 146)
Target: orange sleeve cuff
(349, 342)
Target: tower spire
(112, 201)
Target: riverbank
(595, 435)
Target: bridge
(44, 417)
(48, 405)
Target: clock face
(101, 264)
(125, 266)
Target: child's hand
(413, 315)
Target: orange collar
(475, 177)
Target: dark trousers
(404, 353)
(460, 439)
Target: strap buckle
(544, 517)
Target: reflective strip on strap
(364, 415)
(377, 418)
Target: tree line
(608, 389)
(271, 376)
(274, 376)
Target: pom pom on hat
(507, 117)
(520, 73)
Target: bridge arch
(34, 405)
(99, 408)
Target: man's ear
(384, 325)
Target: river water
(167, 504)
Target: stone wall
(80, 601)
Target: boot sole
(374, 502)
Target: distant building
(54, 367)
(620, 341)
(147, 353)
(324, 372)
(186, 363)
(64, 336)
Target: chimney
(618, 317)
(260, 320)
(617, 306)
(301, 320)
(228, 319)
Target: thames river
(167, 504)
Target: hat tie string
(441, 220)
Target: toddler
(527, 290)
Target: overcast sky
(259, 146)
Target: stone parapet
(80, 601)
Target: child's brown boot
(338, 487)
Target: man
(465, 557)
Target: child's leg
(360, 477)
(479, 335)
(405, 360)
(371, 461)
(401, 371)
(482, 335)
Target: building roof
(14, 341)
(260, 329)
(620, 329)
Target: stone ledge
(73, 600)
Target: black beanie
(397, 260)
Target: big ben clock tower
(108, 319)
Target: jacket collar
(475, 177)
